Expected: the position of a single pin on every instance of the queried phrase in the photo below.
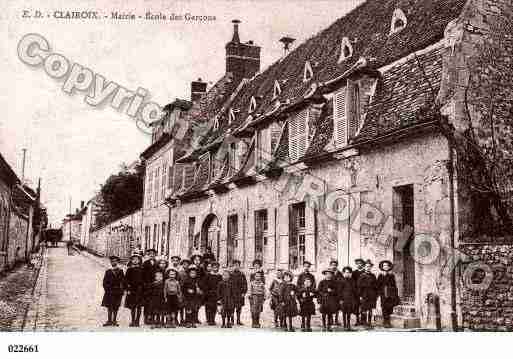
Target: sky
(72, 146)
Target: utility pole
(69, 220)
(23, 165)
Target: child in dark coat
(134, 283)
(360, 264)
(337, 277)
(256, 298)
(306, 295)
(113, 281)
(367, 291)
(305, 274)
(288, 300)
(387, 291)
(209, 285)
(226, 299)
(348, 296)
(156, 302)
(328, 299)
(275, 290)
(193, 297)
(240, 288)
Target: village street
(69, 291)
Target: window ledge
(350, 152)
(296, 167)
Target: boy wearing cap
(134, 283)
(337, 277)
(113, 285)
(367, 291)
(150, 266)
(192, 296)
(209, 285)
(387, 291)
(328, 299)
(348, 296)
(360, 264)
(257, 268)
(182, 277)
(306, 274)
(275, 290)
(240, 288)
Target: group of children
(171, 294)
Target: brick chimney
(198, 88)
(81, 204)
(242, 59)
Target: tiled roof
(404, 94)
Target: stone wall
(487, 285)
(118, 238)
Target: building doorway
(403, 212)
(210, 235)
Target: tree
(121, 194)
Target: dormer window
(216, 123)
(231, 116)
(252, 105)
(346, 50)
(276, 90)
(308, 72)
(399, 21)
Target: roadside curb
(39, 296)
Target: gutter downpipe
(450, 170)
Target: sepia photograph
(243, 168)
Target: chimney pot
(198, 88)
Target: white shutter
(340, 117)
(298, 135)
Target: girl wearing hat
(367, 291)
(134, 283)
(113, 281)
(275, 290)
(387, 291)
(328, 299)
(348, 296)
(288, 302)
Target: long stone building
(350, 146)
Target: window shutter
(298, 134)
(275, 136)
(340, 118)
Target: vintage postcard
(251, 167)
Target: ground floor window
(297, 229)
(231, 243)
(261, 227)
(190, 235)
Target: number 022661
(23, 348)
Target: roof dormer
(346, 50)
(231, 116)
(307, 72)
(276, 90)
(216, 123)
(399, 21)
(252, 105)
